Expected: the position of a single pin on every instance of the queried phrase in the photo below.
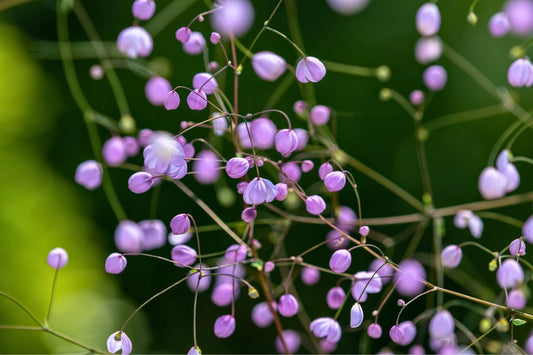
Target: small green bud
(493, 265)
(225, 196)
(385, 94)
(383, 73)
(516, 52)
(518, 322)
(253, 293)
(484, 325)
(471, 18)
(127, 124)
(502, 325)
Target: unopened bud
(471, 18)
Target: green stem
(167, 15)
(462, 117)
(49, 312)
(502, 218)
(23, 307)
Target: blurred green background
(43, 139)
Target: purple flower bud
(96, 71)
(234, 17)
(176, 239)
(292, 340)
(290, 172)
(224, 326)
(300, 107)
(451, 256)
(249, 214)
(154, 234)
(516, 299)
(268, 66)
(417, 350)
(356, 315)
(214, 38)
(335, 297)
(435, 77)
(205, 82)
(374, 331)
(220, 124)
(194, 351)
(114, 151)
(205, 280)
(303, 138)
(499, 25)
(315, 204)
(520, 16)
(223, 294)
(528, 346)
(346, 218)
(258, 191)
(183, 255)
(206, 167)
(510, 274)
(131, 146)
(269, 266)
(237, 167)
(119, 341)
(310, 276)
(307, 166)
(513, 177)
(441, 325)
(475, 225)
(364, 231)
(145, 137)
(492, 183)
(89, 174)
(326, 327)
(428, 19)
(140, 182)
(310, 69)
(358, 291)
(156, 90)
(409, 331)
(263, 133)
(324, 170)
(416, 97)
(409, 279)
(57, 258)
(183, 34)
(327, 346)
(319, 115)
(335, 181)
(135, 42)
(520, 73)
(517, 247)
(180, 223)
(461, 218)
(385, 272)
(336, 240)
(340, 261)
(172, 100)
(235, 253)
(372, 282)
(288, 305)
(286, 142)
(348, 7)
(143, 9)
(428, 49)
(241, 187)
(195, 44)
(261, 315)
(396, 334)
(527, 230)
(115, 263)
(196, 100)
(128, 237)
(283, 191)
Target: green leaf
(518, 322)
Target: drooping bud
(310, 69)
(268, 66)
(89, 174)
(57, 258)
(288, 305)
(115, 263)
(340, 261)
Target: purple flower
(310, 276)
(194, 351)
(268, 66)
(416, 97)
(140, 182)
(156, 90)
(516, 299)
(237, 167)
(428, 49)
(517, 247)
(300, 107)
(292, 340)
(441, 325)
(326, 327)
(319, 115)
(340, 261)
(115, 263)
(409, 332)
(290, 172)
(451, 256)
(307, 166)
(131, 146)
(172, 100)
(269, 266)
(57, 258)
(145, 137)
(196, 100)
(510, 274)
(224, 293)
(315, 204)
(520, 16)
(249, 214)
(428, 19)
(336, 240)
(520, 73)
(205, 82)
(527, 230)
(348, 7)
(364, 231)
(492, 183)
(205, 280)
(135, 42)
(180, 224)
(114, 151)
(183, 255)
(128, 237)
(356, 315)
(335, 181)
(283, 191)
(195, 44)
(346, 218)
(235, 253)
(96, 71)
(119, 341)
(288, 305)
(303, 138)
(224, 326)
(372, 282)
(183, 34)
(310, 69)
(396, 334)
(241, 187)
(335, 297)
(409, 279)
(89, 174)
(206, 167)
(176, 239)
(234, 17)
(386, 272)
(143, 9)
(357, 291)
(286, 142)
(435, 77)
(324, 170)
(374, 331)
(220, 124)
(258, 191)
(154, 234)
(261, 315)
(214, 38)
(263, 132)
(499, 25)
(511, 174)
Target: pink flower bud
(520, 16)
(510, 274)
(241, 187)
(409, 331)
(269, 266)
(310, 69)
(283, 191)
(128, 237)
(300, 107)
(356, 315)
(428, 19)
(340, 261)
(290, 172)
(319, 115)
(195, 44)
(441, 325)
(451, 256)
(96, 71)
(286, 142)
(143, 9)
(183, 255)
(235, 253)
(416, 97)
(364, 230)
(172, 100)
(197, 100)
(156, 90)
(348, 7)
(335, 297)
(180, 223)
(224, 326)
(140, 182)
(183, 34)
(516, 299)
(115, 263)
(135, 42)
(114, 151)
(89, 174)
(520, 73)
(396, 334)
(307, 166)
(261, 315)
(315, 204)
(310, 276)
(119, 341)
(335, 181)
(234, 17)
(57, 258)
(428, 49)
(435, 77)
(409, 279)
(324, 170)
(268, 66)
(491, 184)
(237, 167)
(374, 331)
(499, 25)
(205, 281)
(205, 82)
(292, 340)
(517, 247)
(258, 191)
(288, 305)
(214, 38)
(527, 230)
